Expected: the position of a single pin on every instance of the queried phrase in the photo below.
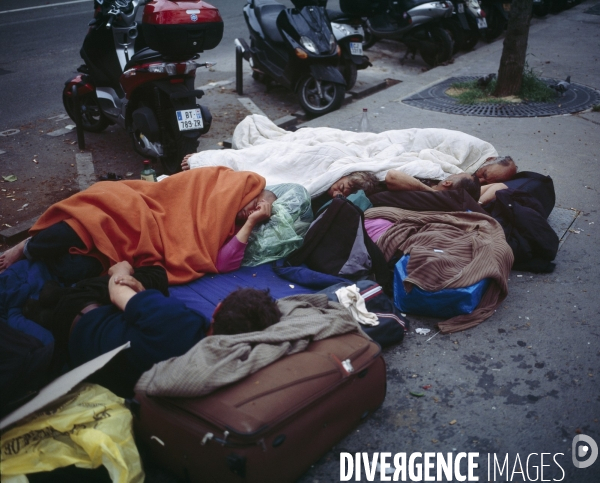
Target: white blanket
(318, 157)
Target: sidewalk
(527, 380)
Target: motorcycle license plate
(482, 23)
(189, 119)
(356, 48)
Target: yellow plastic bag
(87, 428)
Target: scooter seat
(267, 12)
(144, 55)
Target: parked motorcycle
(415, 23)
(296, 48)
(466, 24)
(349, 34)
(143, 79)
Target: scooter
(466, 25)
(415, 23)
(296, 48)
(349, 34)
(143, 78)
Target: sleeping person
(181, 224)
(132, 305)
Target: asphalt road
(40, 51)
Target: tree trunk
(512, 63)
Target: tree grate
(578, 98)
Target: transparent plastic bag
(88, 427)
(284, 232)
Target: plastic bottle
(148, 174)
(365, 125)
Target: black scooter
(466, 25)
(296, 48)
(415, 23)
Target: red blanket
(179, 223)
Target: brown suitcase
(271, 426)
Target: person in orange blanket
(189, 223)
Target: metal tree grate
(577, 98)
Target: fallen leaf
(416, 394)
(452, 422)
(427, 386)
(10, 178)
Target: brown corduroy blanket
(219, 360)
(450, 250)
(179, 223)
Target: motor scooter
(466, 25)
(349, 34)
(141, 77)
(296, 48)
(415, 23)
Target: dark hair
(363, 180)
(245, 310)
(269, 195)
(471, 185)
(504, 161)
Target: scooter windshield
(308, 24)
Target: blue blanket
(204, 294)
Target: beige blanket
(220, 360)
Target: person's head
(252, 205)
(469, 183)
(245, 310)
(351, 183)
(496, 170)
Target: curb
(15, 234)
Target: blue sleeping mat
(204, 294)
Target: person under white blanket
(318, 157)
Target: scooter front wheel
(319, 97)
(91, 116)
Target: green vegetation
(532, 90)
(596, 108)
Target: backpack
(338, 244)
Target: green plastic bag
(291, 217)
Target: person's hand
(129, 281)
(185, 164)
(121, 268)
(488, 192)
(261, 213)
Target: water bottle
(365, 125)
(148, 174)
